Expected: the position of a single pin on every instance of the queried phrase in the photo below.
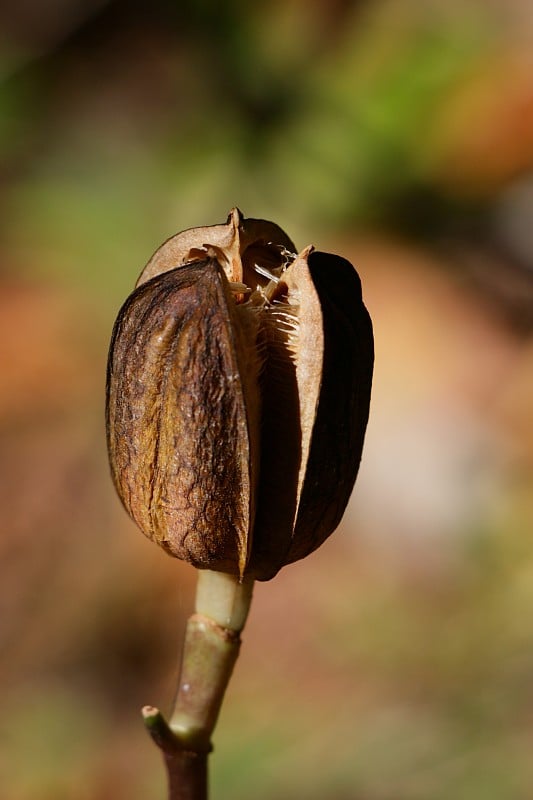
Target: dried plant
(238, 391)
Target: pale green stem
(210, 650)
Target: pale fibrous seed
(238, 391)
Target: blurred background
(397, 662)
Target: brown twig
(186, 768)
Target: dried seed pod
(238, 391)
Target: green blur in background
(396, 663)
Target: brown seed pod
(238, 390)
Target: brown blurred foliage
(396, 662)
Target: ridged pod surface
(238, 392)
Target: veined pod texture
(238, 393)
